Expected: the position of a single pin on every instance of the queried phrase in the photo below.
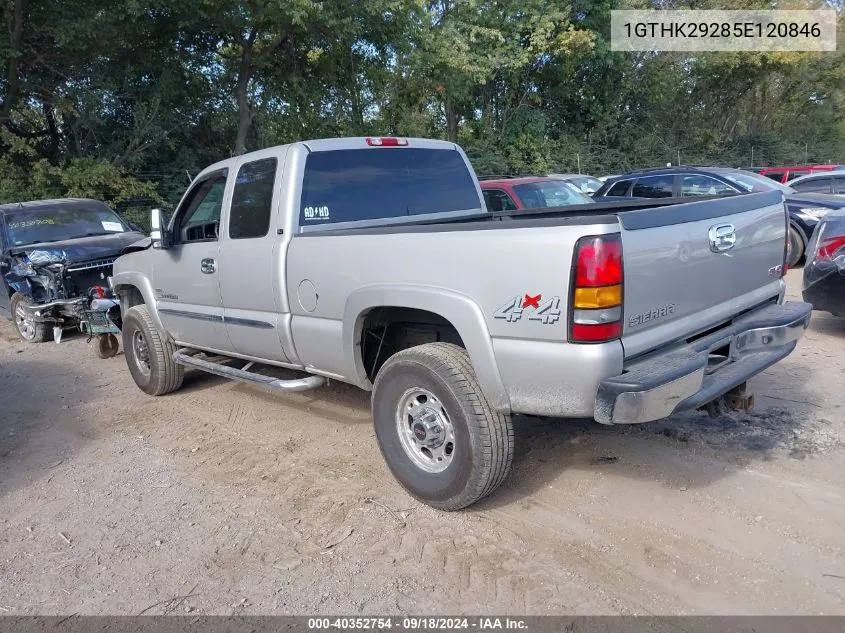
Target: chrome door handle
(208, 266)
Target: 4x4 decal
(546, 312)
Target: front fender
(136, 279)
(461, 311)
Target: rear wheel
(438, 434)
(28, 328)
(795, 249)
(148, 354)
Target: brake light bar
(595, 307)
(386, 141)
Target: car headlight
(816, 213)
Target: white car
(831, 182)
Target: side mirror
(135, 227)
(159, 229)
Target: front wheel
(28, 328)
(437, 432)
(148, 354)
(795, 249)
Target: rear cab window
(774, 175)
(351, 185)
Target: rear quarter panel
(486, 268)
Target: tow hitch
(737, 399)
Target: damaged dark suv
(55, 259)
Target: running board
(265, 382)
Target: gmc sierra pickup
(374, 261)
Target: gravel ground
(219, 499)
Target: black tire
(107, 346)
(28, 329)
(150, 361)
(796, 247)
(482, 451)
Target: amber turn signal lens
(601, 297)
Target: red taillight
(386, 141)
(599, 262)
(596, 332)
(595, 316)
(829, 246)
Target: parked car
(786, 174)
(832, 182)
(805, 209)
(824, 272)
(374, 262)
(55, 257)
(530, 192)
(585, 184)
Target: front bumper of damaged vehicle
(697, 373)
(62, 291)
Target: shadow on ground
(38, 429)
(688, 450)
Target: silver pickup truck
(373, 261)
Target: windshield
(754, 183)
(586, 184)
(536, 195)
(61, 223)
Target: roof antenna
(190, 179)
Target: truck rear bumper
(690, 376)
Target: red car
(529, 192)
(785, 174)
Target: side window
(704, 186)
(817, 185)
(774, 175)
(252, 199)
(840, 184)
(654, 187)
(498, 200)
(619, 189)
(198, 219)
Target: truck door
(252, 263)
(185, 278)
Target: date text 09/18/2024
(416, 623)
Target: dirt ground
(220, 499)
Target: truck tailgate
(691, 266)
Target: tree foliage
(125, 99)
